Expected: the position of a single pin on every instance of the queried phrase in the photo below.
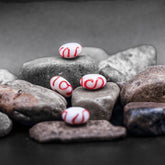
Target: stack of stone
(134, 86)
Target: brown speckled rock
(147, 86)
(29, 104)
(41, 70)
(100, 102)
(124, 65)
(94, 130)
(145, 118)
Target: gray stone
(29, 104)
(145, 118)
(147, 86)
(124, 65)
(6, 76)
(96, 54)
(5, 124)
(99, 102)
(40, 71)
(94, 130)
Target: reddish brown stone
(147, 86)
(94, 130)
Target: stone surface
(94, 130)
(124, 65)
(40, 71)
(99, 103)
(5, 124)
(145, 118)
(96, 54)
(147, 86)
(6, 76)
(28, 103)
(75, 115)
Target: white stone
(75, 115)
(61, 85)
(93, 81)
(70, 50)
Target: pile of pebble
(77, 96)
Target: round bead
(70, 50)
(93, 81)
(61, 85)
(75, 115)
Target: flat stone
(94, 130)
(6, 76)
(99, 103)
(5, 124)
(29, 104)
(147, 86)
(40, 71)
(96, 54)
(124, 65)
(145, 118)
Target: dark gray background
(37, 29)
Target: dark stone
(99, 102)
(147, 86)
(29, 104)
(40, 71)
(145, 118)
(5, 124)
(122, 66)
(94, 130)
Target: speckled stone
(124, 65)
(40, 71)
(96, 54)
(99, 103)
(6, 76)
(5, 124)
(94, 130)
(29, 104)
(145, 118)
(147, 86)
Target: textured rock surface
(6, 76)
(126, 64)
(94, 130)
(28, 103)
(145, 118)
(100, 102)
(5, 125)
(147, 86)
(96, 54)
(40, 71)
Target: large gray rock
(145, 118)
(100, 102)
(40, 71)
(6, 76)
(147, 86)
(5, 124)
(94, 130)
(28, 103)
(96, 54)
(124, 65)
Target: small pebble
(75, 115)
(70, 50)
(61, 85)
(93, 81)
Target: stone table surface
(32, 30)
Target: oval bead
(61, 85)
(70, 50)
(93, 81)
(75, 115)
